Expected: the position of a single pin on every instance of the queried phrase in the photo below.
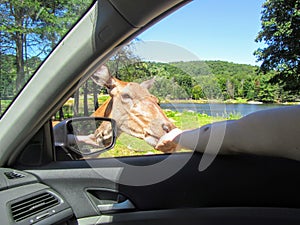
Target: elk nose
(167, 127)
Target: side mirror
(85, 136)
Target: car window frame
(95, 55)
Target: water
(218, 109)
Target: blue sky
(210, 30)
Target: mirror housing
(84, 136)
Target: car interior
(41, 185)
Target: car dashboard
(26, 201)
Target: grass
(204, 101)
(129, 146)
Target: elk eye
(126, 96)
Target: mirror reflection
(85, 135)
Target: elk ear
(102, 77)
(148, 83)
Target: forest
(27, 39)
(213, 80)
(197, 80)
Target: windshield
(29, 31)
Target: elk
(134, 109)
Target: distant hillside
(207, 80)
(199, 68)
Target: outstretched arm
(273, 132)
(87, 139)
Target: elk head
(135, 110)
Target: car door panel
(203, 216)
(230, 181)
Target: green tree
(165, 88)
(33, 27)
(280, 33)
(197, 92)
(121, 63)
(267, 92)
(7, 76)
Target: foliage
(122, 60)
(197, 92)
(8, 76)
(29, 30)
(171, 82)
(32, 28)
(207, 80)
(280, 33)
(226, 80)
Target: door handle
(109, 201)
(116, 207)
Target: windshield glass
(29, 31)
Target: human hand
(166, 143)
(89, 139)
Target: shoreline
(103, 97)
(229, 101)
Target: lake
(218, 109)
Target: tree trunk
(20, 81)
(76, 103)
(95, 95)
(19, 40)
(85, 99)
(61, 114)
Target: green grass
(127, 145)
(102, 98)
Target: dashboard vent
(33, 205)
(13, 175)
